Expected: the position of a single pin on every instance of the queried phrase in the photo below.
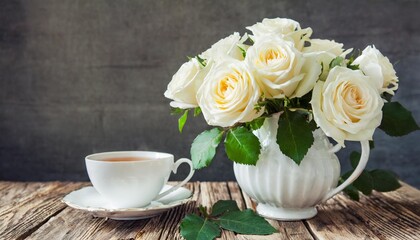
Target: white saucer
(88, 199)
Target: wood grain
(13, 192)
(379, 216)
(34, 211)
(286, 230)
(25, 214)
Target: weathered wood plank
(394, 215)
(236, 194)
(34, 210)
(286, 230)
(336, 220)
(14, 191)
(172, 219)
(75, 224)
(23, 216)
(387, 218)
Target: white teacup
(133, 179)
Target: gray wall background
(78, 77)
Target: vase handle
(356, 173)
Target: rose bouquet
(278, 68)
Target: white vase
(285, 190)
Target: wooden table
(34, 211)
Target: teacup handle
(174, 170)
(356, 173)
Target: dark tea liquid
(125, 159)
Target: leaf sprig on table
(377, 179)
(225, 214)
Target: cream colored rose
(325, 51)
(280, 69)
(185, 84)
(225, 48)
(347, 106)
(229, 94)
(287, 29)
(378, 67)
(324, 45)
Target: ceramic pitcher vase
(285, 190)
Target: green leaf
(256, 123)
(194, 227)
(353, 67)
(204, 147)
(352, 192)
(371, 144)
(242, 146)
(338, 61)
(396, 120)
(246, 222)
(201, 61)
(197, 111)
(387, 96)
(177, 111)
(384, 181)
(354, 158)
(313, 125)
(364, 183)
(224, 206)
(294, 135)
(203, 211)
(182, 120)
(243, 51)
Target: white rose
(287, 29)
(324, 45)
(280, 69)
(229, 94)
(378, 67)
(347, 106)
(225, 48)
(325, 51)
(185, 84)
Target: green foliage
(194, 227)
(371, 144)
(396, 120)
(177, 111)
(242, 146)
(246, 222)
(353, 67)
(338, 61)
(364, 183)
(256, 123)
(354, 158)
(200, 60)
(384, 181)
(352, 192)
(222, 207)
(243, 51)
(182, 120)
(270, 106)
(227, 215)
(204, 147)
(379, 180)
(197, 111)
(387, 96)
(294, 135)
